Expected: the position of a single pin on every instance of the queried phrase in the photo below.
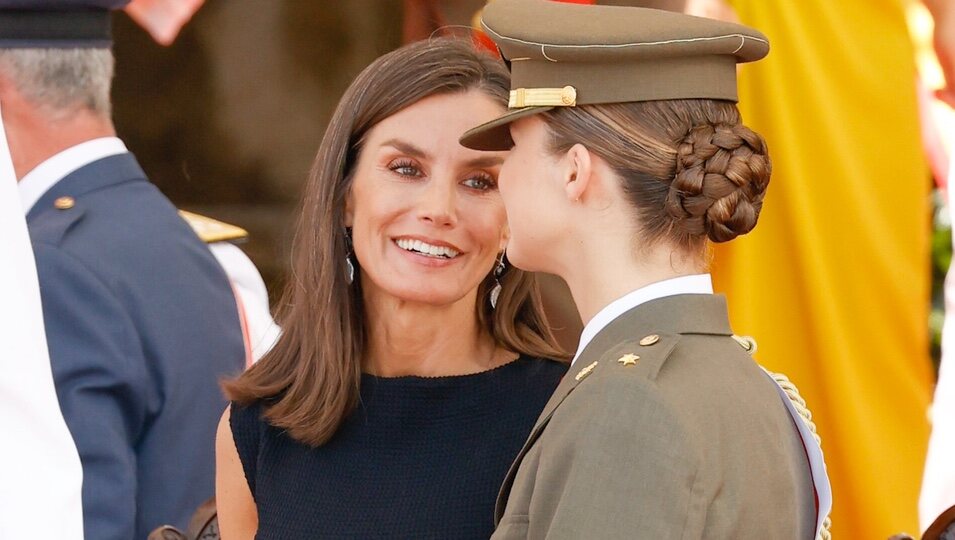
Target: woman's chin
(425, 294)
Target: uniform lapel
(685, 313)
(566, 386)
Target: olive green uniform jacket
(683, 436)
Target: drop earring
(349, 265)
(499, 268)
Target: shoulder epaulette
(643, 356)
(212, 230)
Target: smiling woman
(428, 223)
(399, 393)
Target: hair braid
(722, 172)
(689, 167)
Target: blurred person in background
(39, 468)
(140, 318)
(413, 360)
(938, 480)
(259, 329)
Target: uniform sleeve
(100, 377)
(630, 470)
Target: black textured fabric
(419, 458)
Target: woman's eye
(481, 183)
(405, 168)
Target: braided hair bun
(722, 172)
(689, 168)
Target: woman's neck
(406, 338)
(596, 279)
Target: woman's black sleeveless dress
(418, 458)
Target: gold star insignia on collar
(628, 359)
(586, 371)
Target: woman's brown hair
(689, 167)
(310, 380)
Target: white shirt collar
(44, 176)
(693, 284)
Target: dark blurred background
(226, 120)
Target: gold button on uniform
(568, 95)
(649, 340)
(586, 371)
(64, 203)
(628, 359)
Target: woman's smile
(428, 252)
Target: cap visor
(496, 134)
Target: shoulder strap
(212, 230)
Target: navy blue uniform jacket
(141, 323)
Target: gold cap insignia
(64, 203)
(543, 97)
(568, 96)
(586, 371)
(649, 340)
(628, 359)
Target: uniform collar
(45, 175)
(692, 284)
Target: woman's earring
(349, 266)
(349, 270)
(499, 268)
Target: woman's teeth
(423, 248)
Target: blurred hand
(944, 41)
(713, 9)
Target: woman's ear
(349, 216)
(579, 172)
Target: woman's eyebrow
(485, 161)
(406, 148)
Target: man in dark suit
(141, 320)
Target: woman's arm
(238, 518)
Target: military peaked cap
(565, 55)
(56, 24)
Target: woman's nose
(437, 204)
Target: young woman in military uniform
(628, 157)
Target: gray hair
(62, 79)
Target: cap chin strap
(543, 97)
